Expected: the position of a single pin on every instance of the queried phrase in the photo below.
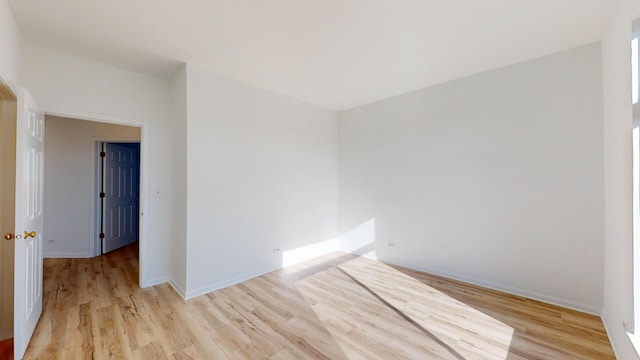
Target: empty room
(409, 179)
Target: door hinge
(103, 154)
(102, 194)
(101, 235)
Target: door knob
(29, 234)
(8, 236)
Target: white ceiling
(333, 53)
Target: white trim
(154, 282)
(177, 288)
(614, 346)
(573, 305)
(69, 256)
(94, 229)
(635, 342)
(84, 115)
(226, 283)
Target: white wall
(496, 179)
(10, 48)
(69, 189)
(179, 137)
(618, 288)
(73, 87)
(262, 173)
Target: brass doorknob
(8, 236)
(29, 234)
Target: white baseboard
(68, 256)
(177, 288)
(612, 339)
(152, 282)
(508, 289)
(163, 280)
(223, 284)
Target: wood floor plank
(153, 350)
(337, 306)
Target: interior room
(288, 180)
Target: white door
(121, 188)
(28, 242)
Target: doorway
(8, 108)
(73, 220)
(119, 184)
(12, 179)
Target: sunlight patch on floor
(428, 319)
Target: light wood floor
(334, 307)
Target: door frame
(144, 279)
(96, 245)
(9, 108)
